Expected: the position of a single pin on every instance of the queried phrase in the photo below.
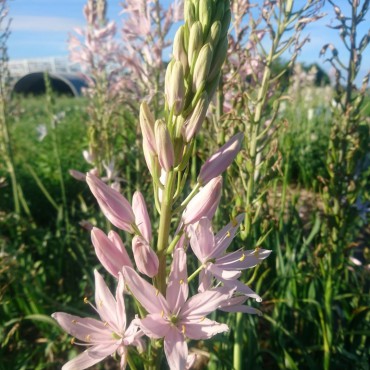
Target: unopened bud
(195, 41)
(220, 10)
(218, 59)
(194, 122)
(179, 52)
(147, 126)
(214, 34)
(167, 78)
(205, 14)
(225, 23)
(176, 89)
(164, 145)
(145, 258)
(189, 13)
(202, 66)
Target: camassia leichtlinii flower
(103, 337)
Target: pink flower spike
(142, 216)
(222, 159)
(103, 337)
(110, 251)
(145, 258)
(205, 203)
(114, 205)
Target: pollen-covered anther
(242, 258)
(86, 301)
(183, 331)
(74, 322)
(106, 323)
(157, 292)
(228, 234)
(202, 319)
(88, 338)
(100, 303)
(162, 313)
(73, 340)
(181, 281)
(256, 252)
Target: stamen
(100, 304)
(86, 301)
(183, 329)
(181, 281)
(157, 292)
(73, 340)
(88, 338)
(234, 222)
(202, 319)
(74, 322)
(162, 313)
(106, 323)
(228, 234)
(256, 252)
(242, 258)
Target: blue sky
(40, 28)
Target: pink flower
(222, 159)
(141, 216)
(110, 251)
(103, 337)
(115, 206)
(175, 318)
(226, 268)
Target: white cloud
(44, 24)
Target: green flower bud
(164, 145)
(167, 78)
(195, 41)
(189, 13)
(219, 58)
(214, 34)
(225, 24)
(179, 52)
(220, 10)
(176, 89)
(202, 66)
(146, 119)
(205, 14)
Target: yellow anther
(242, 258)
(181, 281)
(86, 300)
(106, 323)
(100, 303)
(73, 340)
(228, 234)
(256, 252)
(74, 322)
(88, 338)
(202, 319)
(157, 292)
(162, 313)
(183, 329)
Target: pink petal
(205, 281)
(242, 288)
(203, 303)
(201, 239)
(177, 287)
(203, 328)
(150, 298)
(90, 357)
(141, 216)
(176, 349)
(226, 235)
(120, 306)
(85, 329)
(115, 206)
(239, 260)
(110, 251)
(155, 326)
(105, 302)
(221, 273)
(146, 259)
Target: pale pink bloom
(236, 304)
(210, 250)
(218, 162)
(77, 175)
(175, 318)
(145, 258)
(103, 337)
(110, 251)
(142, 219)
(205, 203)
(114, 205)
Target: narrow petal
(120, 306)
(242, 288)
(105, 302)
(141, 216)
(226, 235)
(203, 303)
(150, 298)
(85, 329)
(90, 357)
(239, 260)
(155, 326)
(203, 328)
(176, 349)
(223, 274)
(202, 241)
(177, 287)
(205, 281)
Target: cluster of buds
(166, 311)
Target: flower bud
(164, 145)
(220, 10)
(225, 23)
(110, 251)
(179, 52)
(176, 89)
(205, 203)
(202, 66)
(114, 205)
(167, 78)
(141, 216)
(189, 13)
(145, 258)
(222, 159)
(147, 126)
(219, 58)
(195, 41)
(214, 34)
(194, 122)
(205, 14)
